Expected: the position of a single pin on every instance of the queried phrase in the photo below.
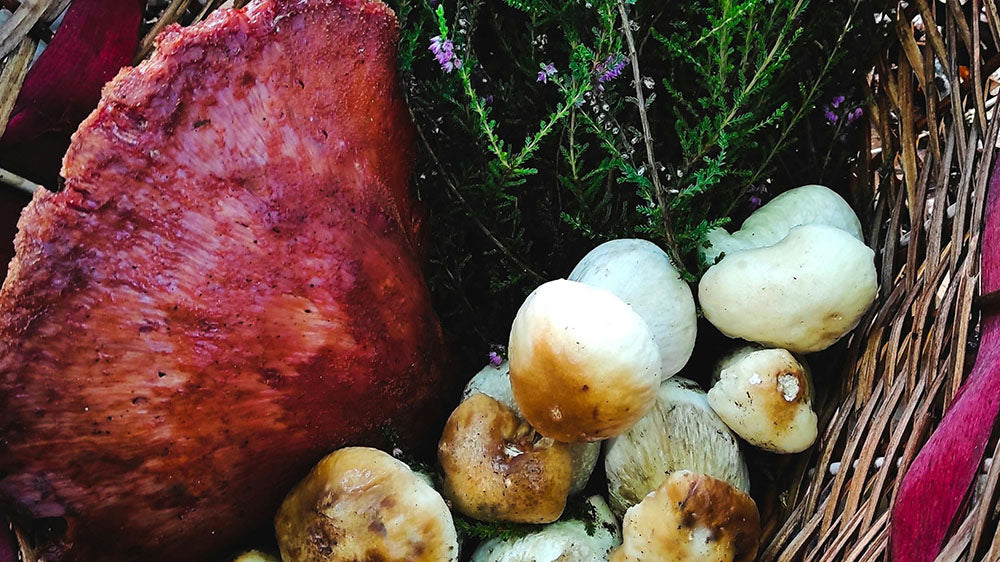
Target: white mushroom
(640, 273)
(802, 294)
(583, 365)
(680, 433)
(587, 537)
(691, 518)
(496, 468)
(797, 275)
(809, 204)
(765, 396)
(494, 381)
(363, 504)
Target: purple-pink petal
(495, 359)
(611, 68)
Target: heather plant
(548, 126)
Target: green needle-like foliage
(524, 167)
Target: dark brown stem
(658, 190)
(989, 303)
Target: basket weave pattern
(927, 165)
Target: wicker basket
(933, 139)
(928, 158)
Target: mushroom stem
(681, 432)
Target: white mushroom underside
(563, 541)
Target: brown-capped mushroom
(765, 397)
(583, 364)
(497, 468)
(642, 275)
(494, 381)
(362, 504)
(691, 518)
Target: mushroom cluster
(590, 369)
(587, 358)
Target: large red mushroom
(227, 289)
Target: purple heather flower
(495, 359)
(756, 199)
(611, 68)
(436, 45)
(547, 71)
(444, 53)
(838, 111)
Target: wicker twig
(171, 15)
(21, 21)
(15, 69)
(908, 360)
(17, 182)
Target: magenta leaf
(939, 478)
(96, 39)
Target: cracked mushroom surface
(362, 504)
(691, 518)
(583, 364)
(494, 381)
(765, 397)
(497, 468)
